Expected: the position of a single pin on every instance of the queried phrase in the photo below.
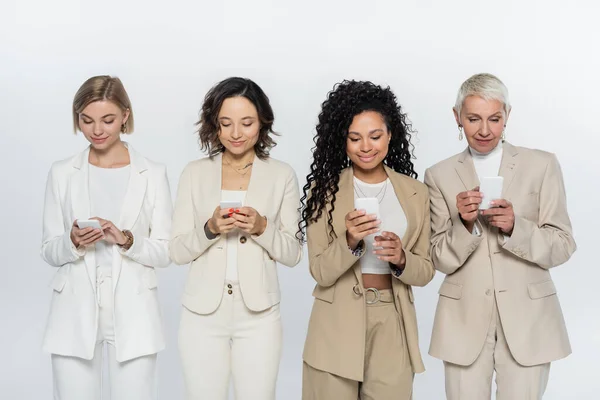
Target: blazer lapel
(466, 170)
(404, 193)
(508, 166)
(136, 191)
(80, 205)
(255, 194)
(132, 204)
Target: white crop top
(231, 274)
(392, 218)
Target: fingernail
(231, 210)
(229, 215)
(237, 211)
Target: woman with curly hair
(230, 321)
(362, 337)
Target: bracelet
(359, 251)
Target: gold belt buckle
(377, 294)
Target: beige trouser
(513, 381)
(388, 372)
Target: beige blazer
(273, 192)
(73, 321)
(336, 332)
(515, 270)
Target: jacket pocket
(324, 293)
(59, 281)
(451, 290)
(541, 289)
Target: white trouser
(234, 341)
(79, 379)
(513, 381)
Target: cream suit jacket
(335, 342)
(146, 212)
(273, 192)
(515, 270)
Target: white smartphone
(227, 204)
(84, 223)
(369, 204)
(491, 187)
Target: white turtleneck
(487, 164)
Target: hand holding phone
(86, 232)
(363, 221)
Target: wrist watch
(127, 245)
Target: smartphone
(369, 204)
(227, 204)
(84, 223)
(491, 187)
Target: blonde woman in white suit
(498, 310)
(104, 289)
(230, 324)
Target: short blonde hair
(486, 86)
(99, 88)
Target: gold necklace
(245, 168)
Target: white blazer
(273, 192)
(146, 212)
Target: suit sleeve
(327, 261)
(188, 240)
(418, 270)
(57, 247)
(451, 242)
(549, 242)
(153, 251)
(279, 240)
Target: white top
(487, 164)
(231, 274)
(107, 194)
(392, 219)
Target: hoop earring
(460, 132)
(123, 128)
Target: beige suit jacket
(273, 192)
(514, 270)
(336, 333)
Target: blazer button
(230, 291)
(229, 286)
(489, 292)
(243, 239)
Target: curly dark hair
(208, 131)
(346, 100)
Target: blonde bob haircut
(102, 88)
(486, 86)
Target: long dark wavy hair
(343, 103)
(208, 125)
